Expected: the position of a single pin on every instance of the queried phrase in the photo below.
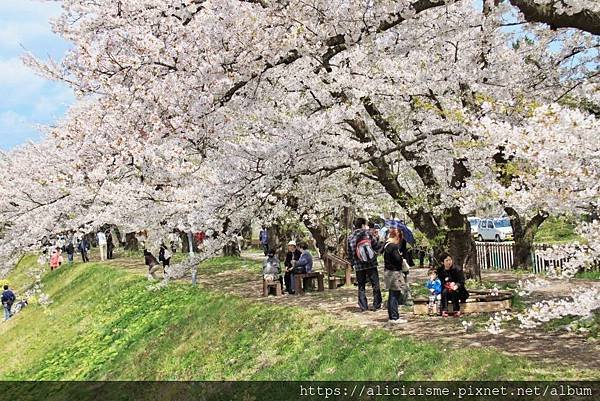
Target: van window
(490, 224)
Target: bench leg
(278, 289)
(265, 288)
(321, 288)
(298, 285)
(332, 283)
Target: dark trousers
(287, 278)
(84, 257)
(451, 296)
(372, 275)
(394, 299)
(109, 252)
(265, 248)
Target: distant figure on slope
(152, 263)
(110, 245)
(84, 247)
(8, 298)
(70, 249)
(56, 259)
(164, 256)
(102, 244)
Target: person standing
(110, 245)
(84, 247)
(453, 285)
(70, 250)
(263, 237)
(164, 256)
(102, 244)
(293, 254)
(362, 247)
(55, 259)
(394, 266)
(8, 298)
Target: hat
(292, 243)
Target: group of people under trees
(154, 265)
(71, 245)
(446, 283)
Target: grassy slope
(105, 324)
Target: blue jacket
(305, 261)
(8, 297)
(263, 237)
(435, 285)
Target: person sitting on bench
(271, 267)
(293, 254)
(305, 263)
(453, 285)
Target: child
(435, 289)
(56, 259)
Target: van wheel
(480, 238)
(498, 238)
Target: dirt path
(561, 348)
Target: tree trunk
(454, 238)
(131, 242)
(524, 236)
(319, 234)
(346, 227)
(231, 249)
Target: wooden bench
(479, 301)
(334, 263)
(303, 281)
(267, 285)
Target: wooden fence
(500, 256)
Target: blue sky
(26, 99)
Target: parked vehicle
(474, 222)
(494, 230)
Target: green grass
(589, 275)
(104, 324)
(557, 230)
(19, 280)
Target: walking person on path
(102, 244)
(110, 245)
(84, 247)
(362, 252)
(8, 298)
(263, 237)
(70, 249)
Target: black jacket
(392, 257)
(288, 258)
(454, 275)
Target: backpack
(364, 249)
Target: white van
(494, 230)
(474, 223)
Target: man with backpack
(8, 298)
(362, 252)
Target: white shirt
(101, 238)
